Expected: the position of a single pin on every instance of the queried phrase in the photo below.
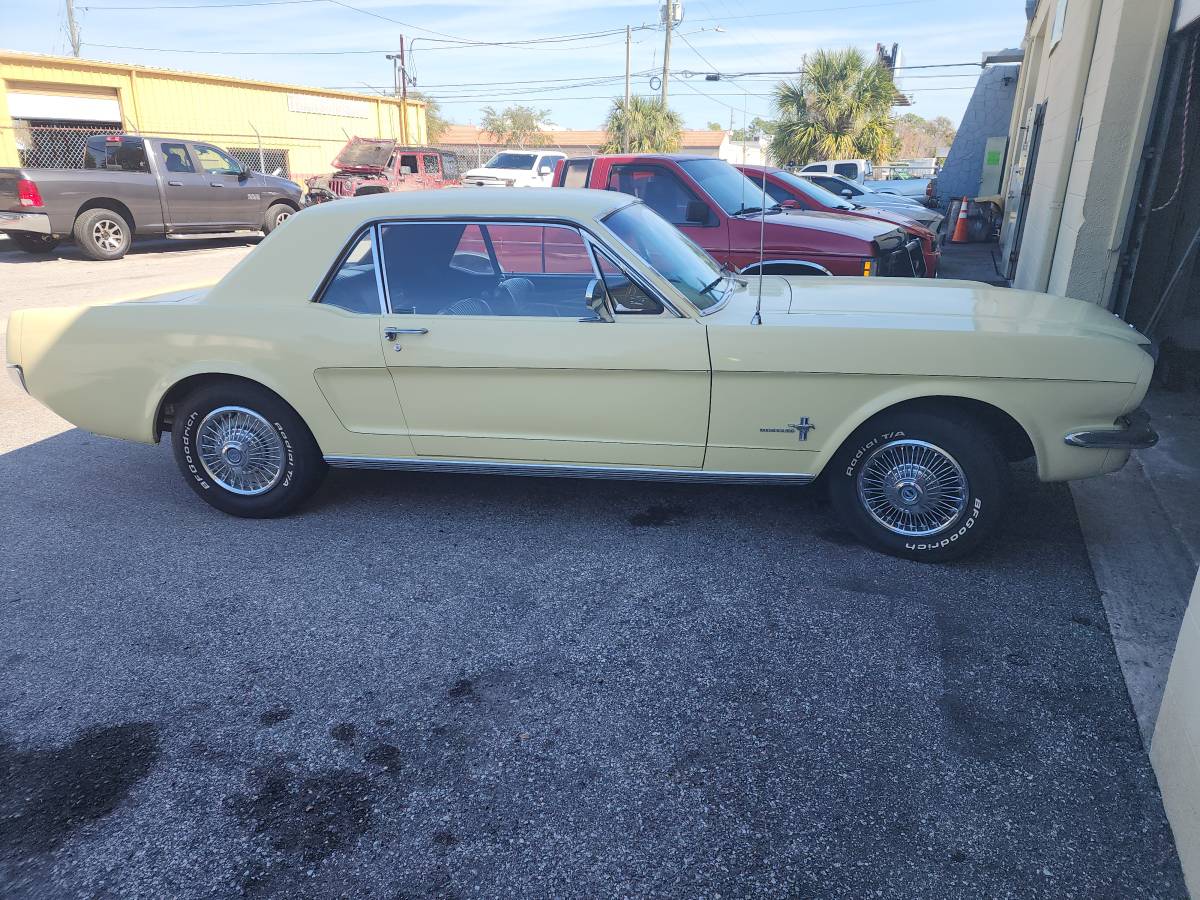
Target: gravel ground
(474, 686)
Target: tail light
(28, 193)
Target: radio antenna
(762, 228)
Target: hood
(364, 155)
(930, 327)
(864, 229)
(955, 305)
(497, 174)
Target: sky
(300, 42)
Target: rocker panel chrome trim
(562, 470)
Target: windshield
(813, 192)
(511, 161)
(671, 253)
(731, 190)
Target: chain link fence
(50, 144)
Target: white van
(855, 169)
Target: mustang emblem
(800, 429)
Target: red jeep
(793, 192)
(378, 165)
(722, 210)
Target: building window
(1060, 18)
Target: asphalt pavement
(468, 686)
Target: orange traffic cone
(960, 227)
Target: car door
(186, 189)
(668, 195)
(233, 200)
(495, 354)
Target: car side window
(659, 188)
(408, 163)
(576, 173)
(846, 170)
(779, 194)
(626, 295)
(445, 269)
(815, 167)
(431, 164)
(216, 162)
(175, 157)
(354, 287)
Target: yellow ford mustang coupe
(577, 333)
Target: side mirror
(243, 174)
(790, 204)
(597, 301)
(847, 193)
(696, 213)
(545, 170)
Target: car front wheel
(245, 451)
(920, 485)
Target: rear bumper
(36, 223)
(1132, 432)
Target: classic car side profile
(577, 333)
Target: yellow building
(50, 104)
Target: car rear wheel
(920, 485)
(245, 451)
(34, 243)
(277, 214)
(103, 234)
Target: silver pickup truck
(140, 185)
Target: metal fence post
(262, 166)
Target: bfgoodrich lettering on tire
(244, 450)
(920, 485)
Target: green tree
(435, 122)
(644, 126)
(918, 136)
(840, 108)
(516, 126)
(757, 128)
(715, 126)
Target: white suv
(515, 168)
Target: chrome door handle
(392, 333)
(215, 184)
(175, 183)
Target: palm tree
(839, 109)
(644, 126)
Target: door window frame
(591, 242)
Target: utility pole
(400, 88)
(73, 28)
(669, 8)
(625, 131)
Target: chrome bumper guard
(18, 375)
(38, 223)
(1133, 432)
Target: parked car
(862, 194)
(140, 185)
(855, 169)
(910, 187)
(376, 166)
(793, 192)
(516, 168)
(723, 211)
(355, 337)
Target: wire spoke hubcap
(108, 234)
(912, 488)
(240, 450)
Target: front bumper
(1133, 432)
(36, 223)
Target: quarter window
(626, 296)
(354, 288)
(431, 164)
(576, 174)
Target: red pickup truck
(723, 211)
(793, 192)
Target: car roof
(678, 157)
(294, 259)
